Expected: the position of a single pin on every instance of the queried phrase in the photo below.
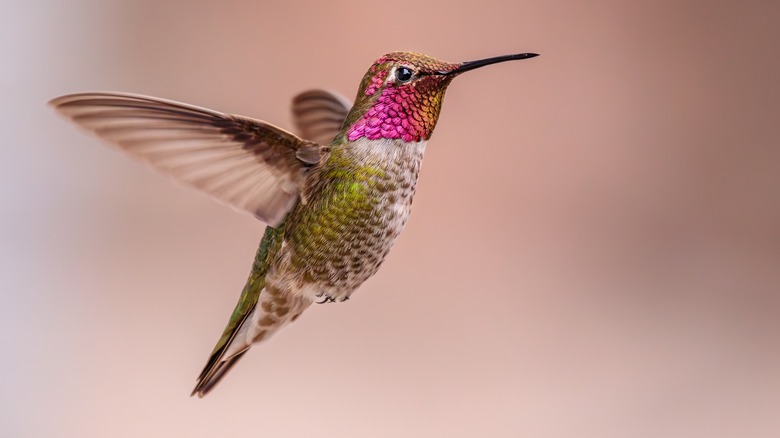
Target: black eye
(403, 74)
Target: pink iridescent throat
(398, 113)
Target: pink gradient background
(594, 249)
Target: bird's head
(401, 94)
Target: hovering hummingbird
(334, 199)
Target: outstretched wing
(246, 163)
(319, 115)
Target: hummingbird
(334, 198)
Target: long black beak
(471, 65)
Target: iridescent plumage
(334, 208)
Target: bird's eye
(403, 74)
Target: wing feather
(319, 115)
(224, 155)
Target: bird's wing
(248, 164)
(319, 114)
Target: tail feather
(213, 374)
(216, 367)
(271, 312)
(218, 364)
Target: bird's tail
(261, 310)
(272, 311)
(212, 375)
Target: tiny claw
(327, 299)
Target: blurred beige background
(594, 249)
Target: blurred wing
(319, 115)
(245, 163)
